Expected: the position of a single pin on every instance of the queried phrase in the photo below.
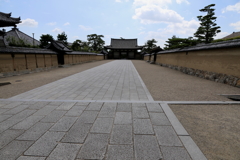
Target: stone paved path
(117, 80)
(115, 118)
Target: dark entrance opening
(60, 57)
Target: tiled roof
(6, 20)
(59, 46)
(233, 35)
(17, 34)
(26, 50)
(224, 44)
(123, 44)
(77, 52)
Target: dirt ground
(214, 128)
(26, 82)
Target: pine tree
(208, 28)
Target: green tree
(96, 43)
(208, 28)
(176, 42)
(62, 37)
(79, 45)
(45, 39)
(149, 45)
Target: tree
(62, 37)
(175, 42)
(208, 28)
(45, 39)
(149, 45)
(96, 42)
(79, 45)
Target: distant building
(233, 35)
(7, 21)
(18, 35)
(124, 49)
(14, 35)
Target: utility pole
(33, 39)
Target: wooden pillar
(13, 62)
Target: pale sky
(141, 19)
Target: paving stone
(28, 122)
(82, 103)
(75, 111)
(108, 110)
(123, 118)
(94, 147)
(55, 103)
(146, 147)
(4, 117)
(12, 104)
(16, 109)
(166, 136)
(88, 116)
(29, 102)
(102, 125)
(38, 105)
(54, 116)
(192, 148)
(121, 134)
(63, 124)
(66, 106)
(45, 144)
(174, 153)
(139, 112)
(78, 133)
(142, 126)
(124, 107)
(45, 110)
(96, 106)
(159, 119)
(14, 149)
(64, 151)
(138, 105)
(31, 158)
(120, 152)
(22, 115)
(8, 136)
(154, 107)
(2, 110)
(35, 131)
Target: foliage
(62, 37)
(175, 42)
(221, 40)
(208, 28)
(96, 43)
(12, 41)
(149, 45)
(45, 39)
(79, 45)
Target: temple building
(14, 36)
(124, 49)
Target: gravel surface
(170, 85)
(214, 128)
(26, 82)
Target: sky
(141, 19)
